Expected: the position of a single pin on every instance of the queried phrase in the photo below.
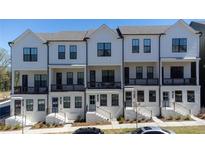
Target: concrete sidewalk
(69, 129)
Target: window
(103, 49)
(179, 45)
(135, 46)
(103, 100)
(178, 96)
(29, 105)
(190, 96)
(78, 102)
(80, 76)
(69, 78)
(30, 54)
(140, 96)
(152, 96)
(139, 71)
(150, 72)
(73, 51)
(177, 72)
(61, 51)
(66, 102)
(108, 76)
(115, 100)
(40, 80)
(41, 104)
(147, 45)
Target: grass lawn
(177, 130)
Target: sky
(11, 29)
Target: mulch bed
(134, 121)
(89, 123)
(177, 118)
(41, 125)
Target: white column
(197, 71)
(121, 75)
(50, 78)
(12, 81)
(85, 77)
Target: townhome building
(101, 74)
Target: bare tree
(4, 60)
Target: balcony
(133, 81)
(183, 81)
(30, 90)
(104, 85)
(73, 87)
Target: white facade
(89, 76)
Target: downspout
(160, 104)
(85, 97)
(123, 88)
(47, 44)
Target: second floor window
(69, 78)
(61, 52)
(147, 45)
(179, 45)
(40, 80)
(139, 72)
(80, 76)
(108, 76)
(104, 49)
(150, 72)
(73, 51)
(30, 54)
(135, 46)
(177, 72)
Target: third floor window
(61, 52)
(135, 46)
(73, 51)
(104, 49)
(147, 45)
(30, 54)
(179, 45)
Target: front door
(17, 107)
(24, 83)
(128, 99)
(127, 75)
(92, 78)
(55, 104)
(58, 80)
(92, 103)
(166, 99)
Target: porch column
(12, 81)
(85, 77)
(49, 76)
(122, 75)
(160, 73)
(197, 72)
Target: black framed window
(177, 72)
(41, 104)
(40, 80)
(103, 49)
(152, 96)
(150, 72)
(178, 96)
(135, 46)
(139, 72)
(30, 54)
(29, 104)
(108, 76)
(78, 102)
(103, 100)
(69, 78)
(179, 45)
(61, 51)
(147, 45)
(66, 102)
(73, 51)
(140, 96)
(115, 100)
(80, 78)
(190, 96)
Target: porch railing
(104, 85)
(63, 87)
(104, 112)
(134, 81)
(30, 90)
(183, 81)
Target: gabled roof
(63, 36)
(129, 30)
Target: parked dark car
(152, 130)
(88, 130)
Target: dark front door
(24, 83)
(127, 75)
(92, 78)
(17, 107)
(55, 104)
(59, 80)
(166, 99)
(92, 103)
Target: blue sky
(10, 29)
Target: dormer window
(61, 52)
(179, 45)
(30, 54)
(104, 49)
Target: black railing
(62, 87)
(104, 85)
(30, 90)
(133, 81)
(183, 81)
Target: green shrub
(169, 118)
(6, 127)
(17, 127)
(121, 119)
(187, 117)
(178, 117)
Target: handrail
(57, 111)
(144, 107)
(143, 81)
(110, 114)
(187, 109)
